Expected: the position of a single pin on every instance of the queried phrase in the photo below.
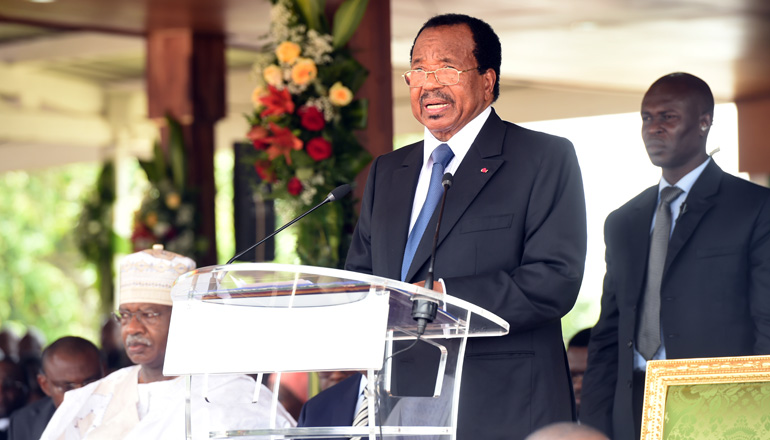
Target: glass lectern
(258, 318)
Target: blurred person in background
(9, 343)
(67, 364)
(13, 393)
(566, 431)
(577, 356)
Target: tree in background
(44, 281)
(95, 237)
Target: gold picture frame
(707, 377)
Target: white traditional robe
(118, 407)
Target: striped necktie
(648, 325)
(362, 416)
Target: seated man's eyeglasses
(446, 76)
(69, 386)
(123, 317)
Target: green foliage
(167, 214)
(94, 234)
(312, 13)
(223, 175)
(583, 315)
(44, 281)
(346, 21)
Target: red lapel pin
(484, 170)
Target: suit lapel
(697, 204)
(469, 179)
(637, 232)
(400, 198)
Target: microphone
(423, 310)
(336, 194)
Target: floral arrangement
(304, 117)
(167, 213)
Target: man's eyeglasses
(446, 76)
(69, 386)
(123, 317)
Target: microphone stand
(423, 310)
(337, 193)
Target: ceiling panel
(613, 45)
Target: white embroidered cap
(147, 276)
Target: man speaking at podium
(513, 234)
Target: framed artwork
(703, 399)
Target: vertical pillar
(186, 80)
(753, 135)
(371, 47)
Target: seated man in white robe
(139, 402)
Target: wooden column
(186, 79)
(753, 135)
(371, 47)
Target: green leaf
(151, 168)
(177, 153)
(159, 165)
(120, 244)
(356, 113)
(346, 20)
(312, 11)
(346, 70)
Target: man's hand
(437, 286)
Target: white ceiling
(605, 45)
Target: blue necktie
(441, 157)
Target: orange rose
(258, 93)
(173, 200)
(287, 52)
(340, 95)
(273, 75)
(151, 219)
(304, 71)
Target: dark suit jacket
(334, 406)
(29, 422)
(715, 293)
(513, 241)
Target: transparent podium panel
(262, 318)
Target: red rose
(294, 186)
(265, 171)
(311, 118)
(319, 148)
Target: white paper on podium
(210, 337)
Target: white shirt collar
(460, 143)
(362, 384)
(686, 182)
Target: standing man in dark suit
(68, 363)
(513, 235)
(334, 406)
(711, 294)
